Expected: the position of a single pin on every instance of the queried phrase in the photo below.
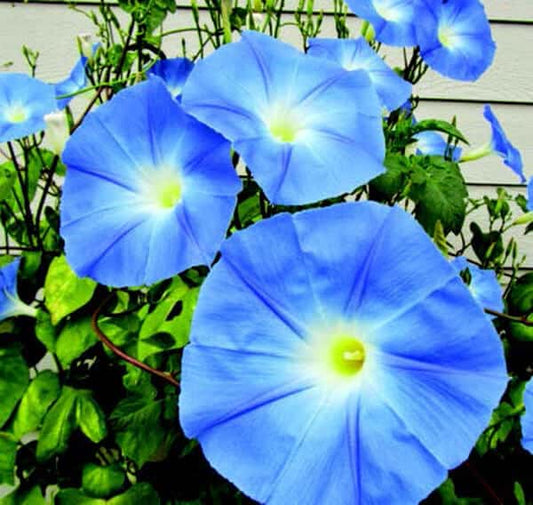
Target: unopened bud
(56, 132)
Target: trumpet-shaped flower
(10, 303)
(173, 72)
(24, 101)
(530, 194)
(306, 128)
(501, 145)
(483, 284)
(76, 81)
(356, 54)
(432, 143)
(346, 362)
(141, 178)
(392, 20)
(527, 418)
(455, 38)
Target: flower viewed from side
(306, 128)
(24, 101)
(76, 81)
(527, 418)
(483, 284)
(141, 178)
(392, 20)
(345, 363)
(455, 38)
(173, 72)
(530, 194)
(501, 145)
(356, 54)
(433, 143)
(10, 303)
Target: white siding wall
(51, 27)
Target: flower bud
(56, 132)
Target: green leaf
(76, 408)
(439, 191)
(89, 417)
(139, 494)
(439, 238)
(520, 299)
(8, 177)
(8, 453)
(41, 393)
(64, 291)
(14, 378)
(145, 427)
(45, 330)
(487, 246)
(387, 185)
(439, 126)
(171, 317)
(102, 481)
(59, 424)
(32, 496)
(519, 494)
(75, 338)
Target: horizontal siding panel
(497, 10)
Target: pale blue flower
(10, 303)
(392, 20)
(306, 128)
(483, 285)
(337, 358)
(356, 54)
(433, 143)
(527, 418)
(530, 194)
(455, 38)
(173, 72)
(24, 101)
(502, 146)
(149, 190)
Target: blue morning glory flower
(455, 38)
(530, 194)
(173, 72)
(527, 418)
(345, 353)
(76, 81)
(501, 145)
(10, 303)
(356, 54)
(392, 20)
(24, 101)
(142, 176)
(433, 143)
(484, 285)
(306, 128)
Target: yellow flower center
(16, 114)
(346, 355)
(446, 36)
(283, 129)
(162, 188)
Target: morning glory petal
(357, 54)
(309, 365)
(502, 146)
(10, 303)
(530, 194)
(76, 81)
(484, 284)
(432, 143)
(173, 72)
(140, 173)
(527, 418)
(24, 101)
(393, 20)
(297, 121)
(455, 38)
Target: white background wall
(51, 27)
